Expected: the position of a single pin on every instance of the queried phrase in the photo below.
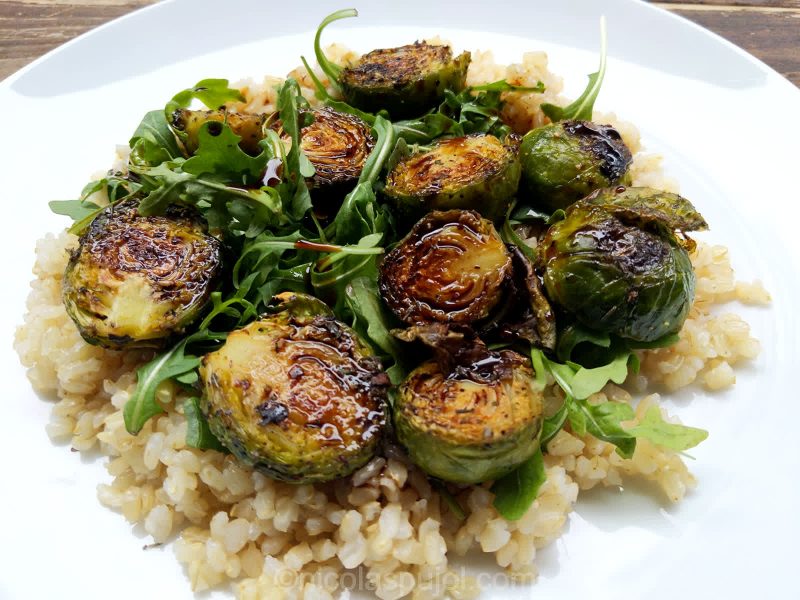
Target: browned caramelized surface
(288, 388)
(451, 268)
(397, 66)
(451, 164)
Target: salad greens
(261, 207)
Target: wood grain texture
(768, 29)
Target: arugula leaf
(142, 405)
(575, 334)
(553, 424)
(220, 155)
(515, 492)
(503, 86)
(153, 141)
(582, 108)
(586, 382)
(371, 320)
(76, 210)
(676, 437)
(330, 69)
(198, 434)
(359, 214)
(214, 93)
(603, 422)
(294, 191)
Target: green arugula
(82, 211)
(330, 69)
(153, 141)
(582, 108)
(198, 434)
(177, 361)
(674, 436)
(214, 93)
(517, 491)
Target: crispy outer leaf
(514, 493)
(643, 205)
(674, 436)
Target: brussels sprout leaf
(514, 493)
(142, 405)
(198, 434)
(676, 437)
(582, 108)
(449, 499)
(214, 93)
(153, 141)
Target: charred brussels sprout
(298, 397)
(337, 144)
(407, 81)
(616, 265)
(134, 281)
(474, 423)
(249, 127)
(563, 162)
(477, 172)
(451, 268)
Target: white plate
(728, 127)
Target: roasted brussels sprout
(406, 81)
(298, 397)
(563, 162)
(247, 126)
(451, 268)
(134, 281)
(616, 265)
(476, 422)
(337, 144)
(477, 172)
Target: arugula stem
(330, 69)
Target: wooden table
(769, 29)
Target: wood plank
(771, 37)
(738, 3)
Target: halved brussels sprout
(451, 267)
(337, 144)
(475, 423)
(477, 172)
(615, 264)
(298, 397)
(134, 281)
(563, 162)
(247, 126)
(406, 81)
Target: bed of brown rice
(385, 523)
